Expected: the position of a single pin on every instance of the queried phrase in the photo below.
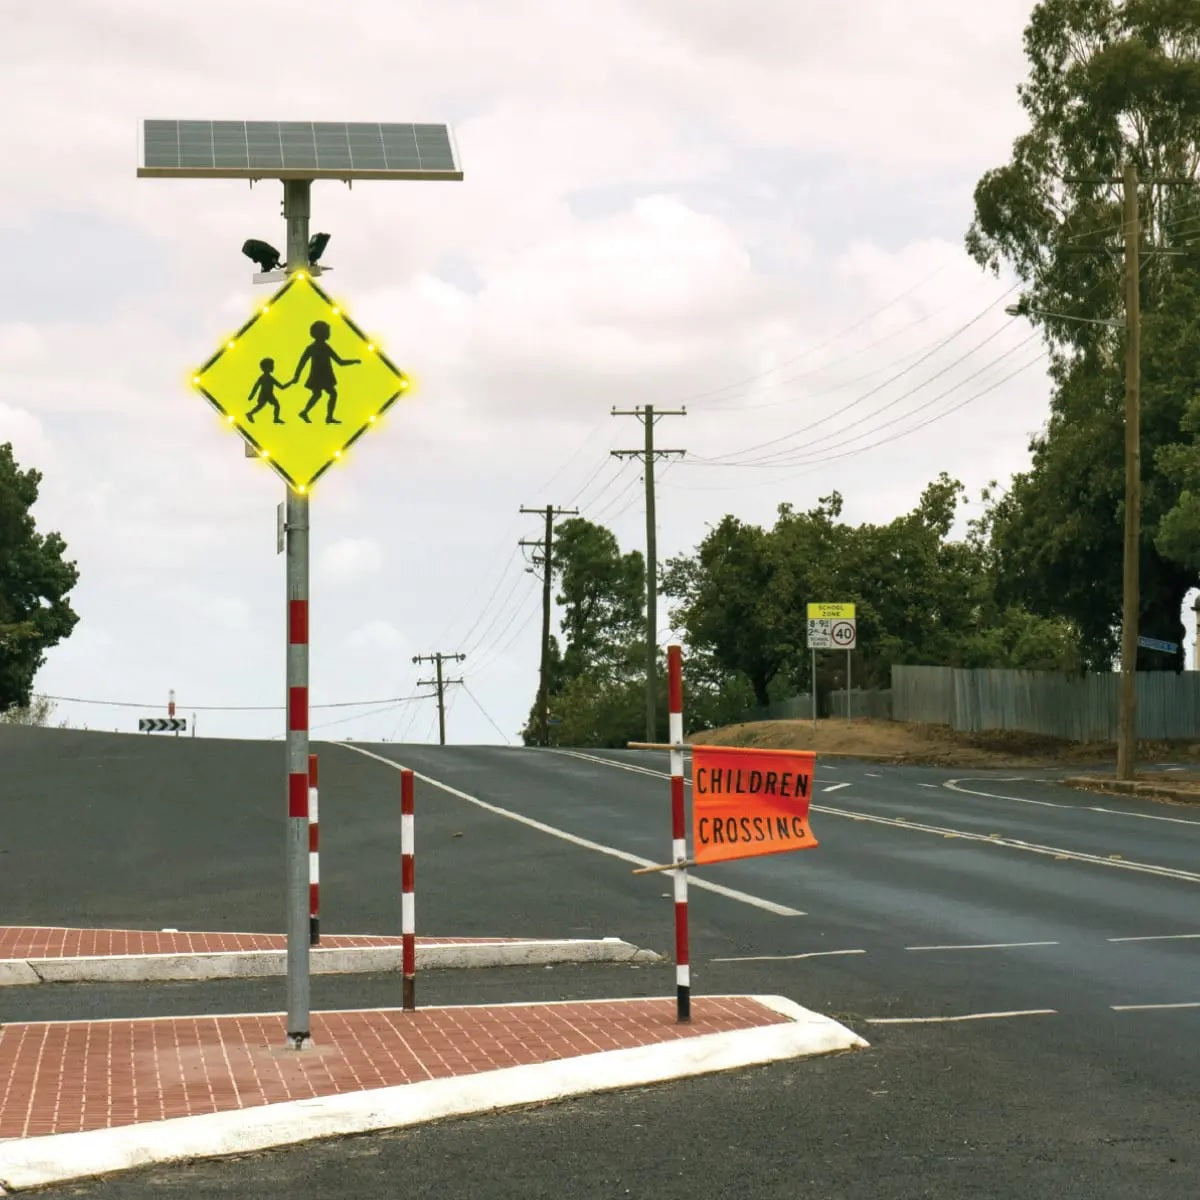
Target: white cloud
(350, 560)
(377, 635)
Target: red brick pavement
(63, 1077)
(36, 941)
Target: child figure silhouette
(265, 386)
(321, 356)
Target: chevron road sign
(161, 724)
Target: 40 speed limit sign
(828, 633)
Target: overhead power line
(391, 700)
(979, 316)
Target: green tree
(35, 580)
(596, 669)
(1109, 81)
(602, 595)
(734, 594)
(921, 594)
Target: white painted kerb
(240, 964)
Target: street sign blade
(1149, 643)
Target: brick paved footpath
(69, 1076)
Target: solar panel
(297, 150)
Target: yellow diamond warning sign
(300, 382)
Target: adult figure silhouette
(321, 356)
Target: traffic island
(87, 1098)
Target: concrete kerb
(1131, 787)
(360, 960)
(39, 1162)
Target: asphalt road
(933, 894)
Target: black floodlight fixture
(262, 253)
(316, 247)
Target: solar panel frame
(224, 149)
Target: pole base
(683, 1004)
(314, 931)
(298, 1041)
(410, 993)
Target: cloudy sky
(754, 211)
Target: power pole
(546, 545)
(1131, 601)
(440, 683)
(1130, 582)
(648, 454)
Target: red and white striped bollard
(408, 899)
(683, 977)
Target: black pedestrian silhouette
(321, 356)
(265, 386)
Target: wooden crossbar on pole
(675, 866)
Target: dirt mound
(894, 741)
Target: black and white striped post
(683, 973)
(314, 857)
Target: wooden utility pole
(1130, 595)
(440, 683)
(1130, 583)
(546, 545)
(648, 454)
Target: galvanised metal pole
(296, 193)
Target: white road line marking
(943, 831)
(952, 785)
(1156, 937)
(833, 787)
(872, 775)
(928, 785)
(781, 910)
(985, 946)
(1022, 1012)
(1015, 844)
(1142, 1007)
(609, 762)
(787, 957)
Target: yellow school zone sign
(300, 382)
(831, 612)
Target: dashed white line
(986, 1016)
(872, 775)
(984, 946)
(780, 910)
(1157, 937)
(833, 787)
(1144, 1007)
(928, 785)
(787, 957)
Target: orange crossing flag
(747, 802)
